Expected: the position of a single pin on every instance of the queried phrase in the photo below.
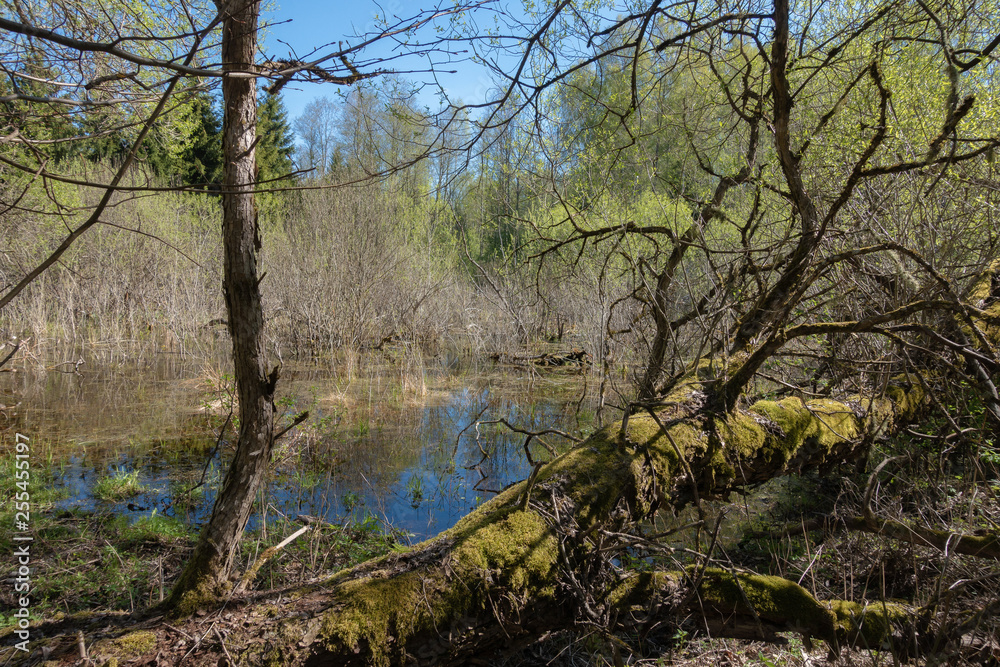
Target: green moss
(990, 325)
(981, 289)
(126, 647)
(638, 589)
(597, 473)
(897, 395)
(200, 596)
(520, 551)
(869, 625)
(903, 401)
(772, 598)
(984, 543)
(195, 589)
(379, 611)
(510, 551)
(835, 421)
(821, 422)
(793, 420)
(646, 434)
(743, 433)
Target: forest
(736, 267)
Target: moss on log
(752, 606)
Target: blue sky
(306, 25)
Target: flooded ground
(395, 435)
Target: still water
(396, 435)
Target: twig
(866, 507)
(528, 485)
(533, 434)
(82, 645)
(223, 643)
(298, 420)
(178, 630)
(208, 461)
(76, 366)
(266, 556)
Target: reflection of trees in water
(425, 466)
(143, 416)
(102, 403)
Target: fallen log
(574, 357)
(984, 545)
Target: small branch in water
(208, 461)
(298, 420)
(8, 357)
(75, 364)
(475, 422)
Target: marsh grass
(368, 409)
(185, 495)
(119, 486)
(86, 561)
(325, 549)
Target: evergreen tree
(184, 146)
(201, 159)
(34, 120)
(277, 141)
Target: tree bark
(208, 572)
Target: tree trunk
(207, 574)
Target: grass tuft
(118, 486)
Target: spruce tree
(201, 160)
(277, 141)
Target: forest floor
(102, 575)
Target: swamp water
(396, 436)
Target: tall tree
(121, 77)
(276, 145)
(206, 575)
(201, 159)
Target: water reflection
(414, 458)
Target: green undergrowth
(98, 562)
(324, 549)
(119, 485)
